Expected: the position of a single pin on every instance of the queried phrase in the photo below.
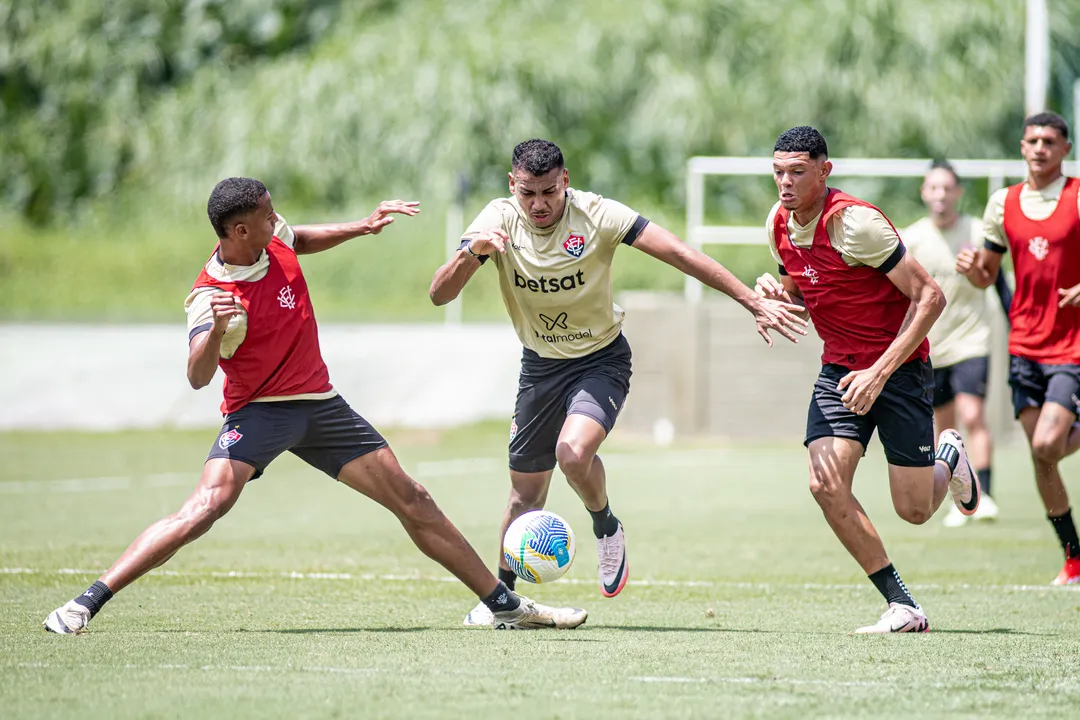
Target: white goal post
(699, 234)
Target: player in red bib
(1038, 221)
(872, 305)
(250, 314)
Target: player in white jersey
(960, 338)
(553, 248)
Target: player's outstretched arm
(452, 277)
(927, 302)
(769, 314)
(316, 238)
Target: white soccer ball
(539, 546)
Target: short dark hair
(1047, 119)
(802, 139)
(942, 164)
(537, 157)
(232, 197)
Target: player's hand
(863, 388)
(770, 288)
(225, 306)
(1069, 296)
(384, 214)
(487, 242)
(966, 261)
(778, 316)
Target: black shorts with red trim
(903, 414)
(1034, 384)
(325, 434)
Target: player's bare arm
(927, 302)
(452, 277)
(784, 290)
(769, 314)
(316, 238)
(204, 350)
(980, 267)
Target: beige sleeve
(613, 219)
(490, 218)
(867, 236)
(199, 316)
(284, 233)
(769, 234)
(993, 224)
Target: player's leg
(345, 446)
(945, 418)
(969, 382)
(1045, 407)
(248, 441)
(836, 440)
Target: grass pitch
(308, 600)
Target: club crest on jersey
(229, 439)
(574, 245)
(287, 298)
(1039, 247)
(513, 427)
(811, 274)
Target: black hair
(232, 197)
(942, 164)
(802, 139)
(1048, 119)
(537, 157)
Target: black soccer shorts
(548, 390)
(967, 377)
(1034, 384)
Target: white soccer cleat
(963, 485)
(534, 616)
(479, 616)
(71, 619)
(988, 510)
(898, 618)
(614, 569)
(955, 518)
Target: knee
(825, 491)
(1044, 452)
(573, 462)
(417, 505)
(522, 500)
(914, 514)
(198, 517)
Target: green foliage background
(116, 118)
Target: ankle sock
(892, 588)
(501, 599)
(95, 597)
(1066, 532)
(508, 578)
(604, 524)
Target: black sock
(501, 598)
(95, 597)
(984, 480)
(948, 455)
(508, 578)
(1066, 532)
(604, 524)
(889, 584)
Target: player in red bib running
(872, 305)
(250, 314)
(1038, 221)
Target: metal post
(455, 225)
(695, 218)
(1036, 57)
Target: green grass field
(308, 601)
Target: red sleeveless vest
(857, 311)
(1046, 257)
(280, 353)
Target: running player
(249, 313)
(553, 246)
(960, 339)
(872, 305)
(1038, 221)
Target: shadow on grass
(991, 631)
(319, 631)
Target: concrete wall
(706, 370)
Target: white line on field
(368, 577)
(218, 668)
(96, 484)
(757, 681)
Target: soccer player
(872, 305)
(960, 339)
(553, 247)
(1038, 221)
(250, 313)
